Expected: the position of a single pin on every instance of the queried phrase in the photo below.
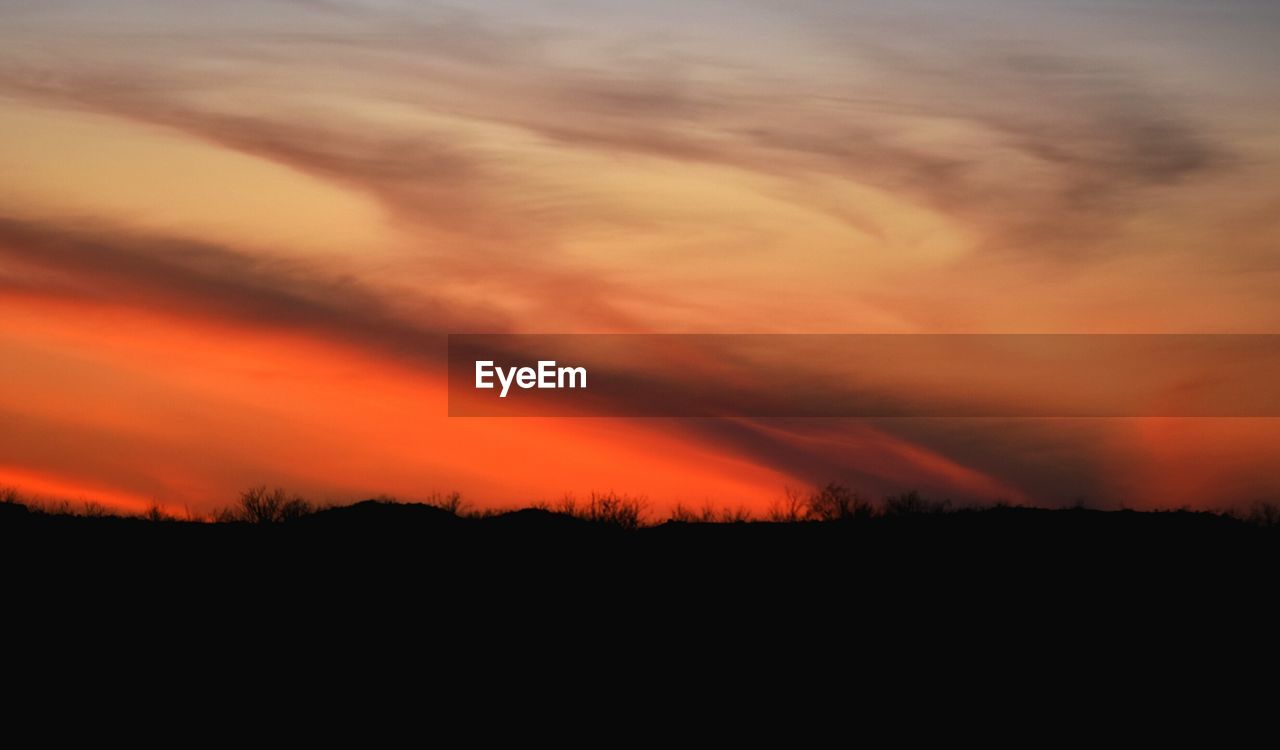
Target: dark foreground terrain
(921, 593)
(431, 548)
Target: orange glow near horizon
(376, 427)
(66, 489)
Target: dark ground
(397, 592)
(426, 547)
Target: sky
(234, 235)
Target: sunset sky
(233, 235)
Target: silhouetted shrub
(156, 513)
(51, 507)
(793, 507)
(835, 502)
(709, 514)
(681, 513)
(260, 505)
(610, 509)
(912, 504)
(1264, 513)
(9, 496)
(481, 513)
(451, 502)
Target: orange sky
(232, 235)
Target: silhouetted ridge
(12, 510)
(382, 514)
(536, 518)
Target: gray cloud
(200, 280)
(1069, 145)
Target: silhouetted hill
(12, 511)
(378, 515)
(537, 520)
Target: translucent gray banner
(864, 375)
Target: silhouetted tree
(835, 502)
(260, 505)
(451, 502)
(793, 507)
